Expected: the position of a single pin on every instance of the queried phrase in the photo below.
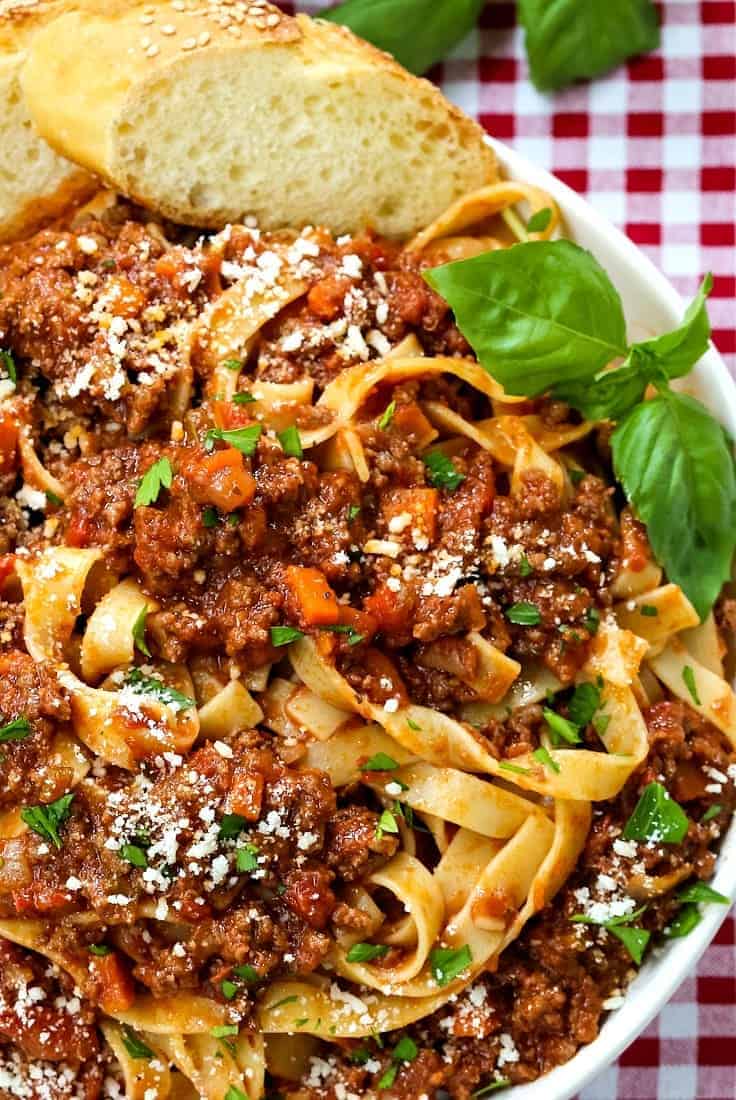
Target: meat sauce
(233, 548)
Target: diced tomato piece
(7, 567)
(8, 443)
(246, 795)
(316, 603)
(228, 416)
(117, 992)
(220, 478)
(79, 530)
(125, 298)
(392, 611)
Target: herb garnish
(505, 766)
(539, 220)
(387, 416)
(157, 477)
(648, 610)
(562, 729)
(284, 635)
(134, 1045)
(139, 631)
(634, 939)
(701, 893)
(524, 614)
(141, 684)
(689, 677)
(386, 824)
(17, 730)
(246, 859)
(244, 440)
(364, 952)
(583, 704)
(134, 855)
(682, 923)
(543, 757)
(711, 812)
(499, 1083)
(442, 471)
(7, 362)
(99, 949)
(447, 963)
(243, 398)
(351, 634)
(234, 1093)
(233, 364)
(379, 762)
(209, 517)
(656, 817)
(47, 820)
(231, 825)
(291, 442)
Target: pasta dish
(354, 742)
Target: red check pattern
(653, 147)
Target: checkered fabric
(653, 147)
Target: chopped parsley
(17, 730)
(633, 938)
(231, 825)
(228, 989)
(243, 398)
(234, 1093)
(689, 677)
(701, 893)
(524, 614)
(405, 1050)
(442, 471)
(224, 1031)
(157, 477)
(353, 512)
(139, 631)
(53, 498)
(447, 963)
(583, 704)
(379, 762)
(413, 725)
(351, 634)
(99, 949)
(525, 566)
(576, 475)
(386, 824)
(244, 440)
(233, 364)
(711, 812)
(388, 1077)
(542, 756)
(7, 362)
(562, 729)
(157, 689)
(656, 817)
(134, 855)
(648, 610)
(134, 1045)
(248, 973)
(505, 766)
(387, 416)
(364, 952)
(284, 635)
(246, 859)
(291, 442)
(592, 620)
(47, 820)
(209, 517)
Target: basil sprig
(416, 32)
(543, 317)
(568, 40)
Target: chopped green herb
(139, 631)
(353, 512)
(413, 725)
(447, 963)
(157, 689)
(234, 1093)
(285, 1001)
(231, 825)
(248, 973)
(539, 220)
(576, 475)
(360, 1056)
(386, 824)
(233, 519)
(525, 566)
(210, 517)
(543, 757)
(233, 364)
(683, 923)
(284, 635)
(379, 762)
(584, 703)
(7, 362)
(243, 398)
(388, 1077)
(499, 1083)
(247, 859)
(442, 472)
(711, 812)
(648, 610)
(634, 940)
(291, 442)
(600, 723)
(689, 677)
(157, 477)
(54, 498)
(701, 892)
(17, 730)
(656, 817)
(134, 1045)
(47, 820)
(524, 614)
(405, 1050)
(592, 620)
(387, 416)
(99, 949)
(505, 766)
(562, 729)
(364, 952)
(134, 855)
(229, 989)
(244, 440)
(224, 1031)
(352, 635)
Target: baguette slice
(232, 109)
(35, 183)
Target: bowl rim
(668, 965)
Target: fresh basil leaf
(244, 440)
(676, 466)
(701, 892)
(688, 918)
(542, 756)
(610, 395)
(228, 989)
(364, 952)
(140, 684)
(539, 220)
(248, 973)
(379, 762)
(447, 963)
(538, 315)
(562, 728)
(442, 472)
(675, 353)
(523, 614)
(47, 820)
(656, 817)
(291, 442)
(284, 635)
(17, 730)
(634, 940)
(157, 477)
(568, 40)
(417, 32)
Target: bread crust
(90, 67)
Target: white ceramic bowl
(651, 306)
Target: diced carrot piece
(316, 602)
(392, 611)
(8, 443)
(117, 992)
(228, 415)
(221, 479)
(246, 795)
(415, 508)
(125, 298)
(410, 421)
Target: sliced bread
(207, 113)
(35, 183)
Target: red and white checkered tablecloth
(653, 147)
